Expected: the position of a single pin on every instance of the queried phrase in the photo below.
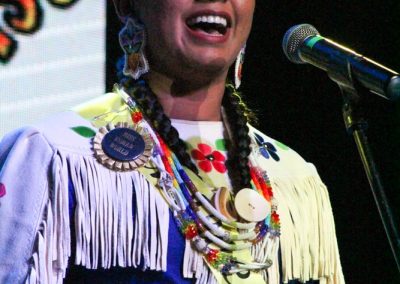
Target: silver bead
(226, 237)
(200, 244)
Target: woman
(110, 192)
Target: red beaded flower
(207, 158)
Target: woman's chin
(210, 61)
(207, 71)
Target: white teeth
(209, 20)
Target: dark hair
(237, 117)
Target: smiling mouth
(209, 24)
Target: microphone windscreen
(294, 38)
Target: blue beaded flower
(266, 148)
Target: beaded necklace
(183, 197)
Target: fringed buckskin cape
(120, 219)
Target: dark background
(300, 106)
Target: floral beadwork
(282, 146)
(220, 144)
(266, 149)
(187, 225)
(207, 158)
(84, 131)
(215, 257)
(219, 259)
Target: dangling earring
(239, 66)
(132, 39)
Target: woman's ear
(124, 8)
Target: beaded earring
(132, 39)
(239, 66)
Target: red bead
(200, 226)
(275, 217)
(266, 195)
(191, 231)
(212, 258)
(212, 255)
(137, 117)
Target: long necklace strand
(183, 195)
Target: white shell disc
(251, 206)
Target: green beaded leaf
(281, 145)
(220, 144)
(84, 131)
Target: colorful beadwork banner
(52, 56)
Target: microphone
(303, 44)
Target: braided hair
(237, 117)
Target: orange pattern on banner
(7, 46)
(27, 19)
(23, 16)
(62, 3)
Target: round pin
(122, 147)
(251, 206)
(123, 144)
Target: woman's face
(197, 38)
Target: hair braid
(237, 115)
(153, 110)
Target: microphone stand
(356, 125)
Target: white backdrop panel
(56, 67)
